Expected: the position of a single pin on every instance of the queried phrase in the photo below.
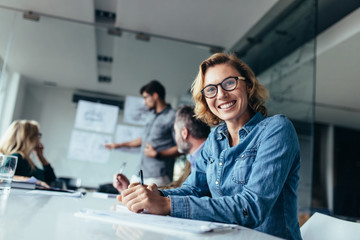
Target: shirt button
(217, 183)
(220, 164)
(245, 212)
(242, 155)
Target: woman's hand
(24, 179)
(120, 182)
(39, 149)
(43, 184)
(139, 197)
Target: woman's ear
(248, 87)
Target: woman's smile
(227, 105)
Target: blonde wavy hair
(20, 137)
(257, 96)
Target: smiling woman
(248, 171)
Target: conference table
(28, 214)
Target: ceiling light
(103, 58)
(31, 16)
(143, 37)
(115, 32)
(104, 79)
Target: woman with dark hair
(248, 170)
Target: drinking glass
(7, 171)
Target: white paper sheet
(96, 117)
(56, 193)
(125, 133)
(155, 222)
(86, 146)
(135, 111)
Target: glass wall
(6, 28)
(283, 57)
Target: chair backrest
(321, 226)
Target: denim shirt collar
(222, 132)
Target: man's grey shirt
(159, 132)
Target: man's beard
(183, 146)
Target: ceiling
(60, 52)
(209, 22)
(62, 48)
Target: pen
(141, 177)
(123, 165)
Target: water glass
(7, 171)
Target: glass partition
(7, 24)
(283, 58)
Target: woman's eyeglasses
(228, 84)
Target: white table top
(31, 216)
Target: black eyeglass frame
(216, 85)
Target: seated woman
(21, 139)
(248, 170)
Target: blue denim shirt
(253, 184)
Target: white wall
(53, 108)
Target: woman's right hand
(39, 148)
(139, 197)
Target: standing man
(158, 136)
(190, 135)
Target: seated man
(190, 135)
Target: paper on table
(56, 193)
(104, 195)
(32, 179)
(29, 183)
(154, 222)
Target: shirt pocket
(243, 166)
(210, 171)
(160, 134)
